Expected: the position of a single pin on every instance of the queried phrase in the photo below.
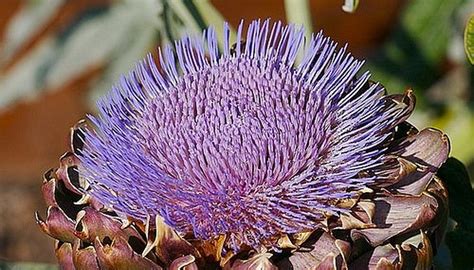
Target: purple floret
(245, 142)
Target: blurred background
(57, 57)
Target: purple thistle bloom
(247, 142)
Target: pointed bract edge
(48, 190)
(396, 215)
(284, 242)
(336, 261)
(259, 261)
(422, 249)
(78, 136)
(91, 223)
(299, 238)
(167, 244)
(187, 262)
(360, 216)
(405, 102)
(382, 256)
(119, 255)
(385, 264)
(69, 161)
(349, 221)
(84, 258)
(328, 263)
(63, 253)
(439, 191)
(67, 172)
(419, 157)
(414, 253)
(320, 250)
(57, 225)
(210, 250)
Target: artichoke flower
(249, 159)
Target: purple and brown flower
(247, 158)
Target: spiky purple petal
(245, 142)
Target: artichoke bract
(247, 158)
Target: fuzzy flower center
(246, 137)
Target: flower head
(245, 143)
(253, 146)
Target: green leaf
(102, 38)
(22, 81)
(457, 121)
(25, 24)
(469, 39)
(122, 61)
(461, 243)
(418, 46)
(461, 196)
(184, 14)
(299, 12)
(212, 16)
